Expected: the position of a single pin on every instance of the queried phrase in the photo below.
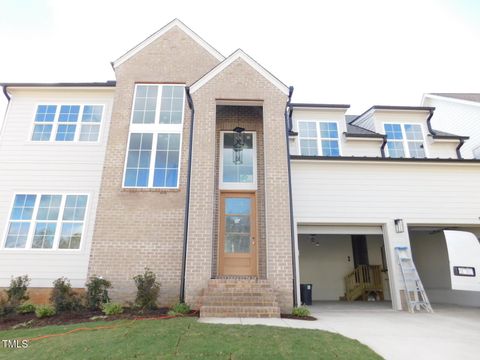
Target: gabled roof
(474, 97)
(162, 31)
(357, 131)
(239, 54)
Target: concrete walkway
(450, 333)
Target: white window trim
(31, 231)
(319, 136)
(404, 141)
(155, 129)
(238, 185)
(56, 123)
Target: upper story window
(238, 160)
(318, 138)
(153, 156)
(46, 221)
(405, 140)
(67, 123)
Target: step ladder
(415, 294)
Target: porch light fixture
(399, 226)
(238, 145)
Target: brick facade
(138, 228)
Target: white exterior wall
(40, 167)
(458, 117)
(339, 192)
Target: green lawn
(183, 338)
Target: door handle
(253, 241)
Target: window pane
(44, 235)
(45, 113)
(75, 206)
(138, 160)
(49, 207)
(413, 132)
(89, 132)
(393, 131)
(172, 104)
(238, 166)
(69, 113)
(65, 133)
(23, 207)
(307, 129)
(166, 160)
(145, 104)
(42, 132)
(70, 236)
(92, 113)
(395, 149)
(17, 234)
(416, 149)
(328, 130)
(330, 148)
(308, 147)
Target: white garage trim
(340, 229)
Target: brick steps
(239, 298)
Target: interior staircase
(239, 298)
(364, 281)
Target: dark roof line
(394, 107)
(311, 105)
(386, 159)
(374, 135)
(109, 83)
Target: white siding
(27, 166)
(458, 118)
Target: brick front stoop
(239, 298)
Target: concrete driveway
(450, 333)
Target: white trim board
(239, 54)
(160, 33)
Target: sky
(362, 53)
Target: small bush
(17, 292)
(111, 308)
(44, 311)
(147, 290)
(179, 309)
(5, 308)
(25, 308)
(97, 292)
(63, 297)
(300, 312)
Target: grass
(183, 338)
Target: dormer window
(318, 138)
(405, 140)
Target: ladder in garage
(415, 294)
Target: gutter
(187, 198)
(288, 131)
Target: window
(154, 144)
(318, 138)
(238, 169)
(61, 123)
(405, 140)
(46, 221)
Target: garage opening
(344, 265)
(448, 263)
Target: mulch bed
(74, 317)
(290, 316)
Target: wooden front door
(238, 234)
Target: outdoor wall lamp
(399, 226)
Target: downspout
(4, 122)
(288, 128)
(187, 198)
(382, 148)
(429, 125)
(460, 144)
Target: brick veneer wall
(250, 118)
(239, 81)
(139, 228)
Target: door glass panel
(237, 225)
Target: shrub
(42, 311)
(300, 312)
(17, 292)
(179, 309)
(111, 308)
(4, 306)
(147, 290)
(26, 308)
(97, 292)
(63, 297)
